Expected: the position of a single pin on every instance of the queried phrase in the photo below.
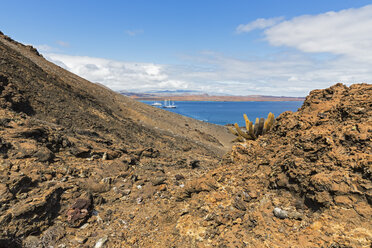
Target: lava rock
(280, 213)
(44, 155)
(101, 242)
(179, 177)
(239, 204)
(194, 164)
(158, 180)
(78, 213)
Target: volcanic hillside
(82, 166)
(48, 110)
(50, 93)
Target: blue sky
(236, 47)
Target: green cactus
(240, 132)
(269, 122)
(260, 127)
(249, 127)
(233, 131)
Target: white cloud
(347, 32)
(260, 23)
(63, 43)
(290, 74)
(119, 75)
(134, 32)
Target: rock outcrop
(307, 183)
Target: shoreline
(219, 98)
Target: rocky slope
(55, 95)
(81, 166)
(50, 118)
(308, 183)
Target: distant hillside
(206, 97)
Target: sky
(232, 47)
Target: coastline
(151, 97)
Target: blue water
(223, 113)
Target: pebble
(253, 194)
(80, 240)
(238, 204)
(107, 180)
(126, 191)
(246, 197)
(295, 215)
(22, 196)
(101, 242)
(116, 190)
(123, 222)
(82, 175)
(162, 187)
(158, 180)
(104, 157)
(179, 177)
(280, 213)
(48, 177)
(99, 219)
(84, 226)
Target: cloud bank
(319, 50)
(347, 32)
(283, 74)
(119, 75)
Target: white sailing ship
(169, 104)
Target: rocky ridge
(305, 184)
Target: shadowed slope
(60, 97)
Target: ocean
(223, 113)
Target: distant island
(206, 97)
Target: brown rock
(44, 155)
(113, 154)
(239, 204)
(5, 195)
(158, 180)
(78, 213)
(29, 216)
(179, 177)
(162, 187)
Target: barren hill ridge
(58, 96)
